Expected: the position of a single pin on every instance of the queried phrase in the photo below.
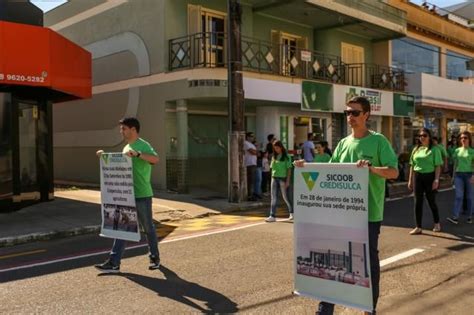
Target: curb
(22, 239)
(44, 236)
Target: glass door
(213, 26)
(28, 115)
(6, 154)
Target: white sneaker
(270, 219)
(291, 217)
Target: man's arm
(386, 172)
(150, 158)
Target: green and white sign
(381, 101)
(403, 105)
(316, 96)
(331, 234)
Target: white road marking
(182, 238)
(411, 195)
(400, 256)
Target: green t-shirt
(442, 149)
(450, 152)
(375, 148)
(464, 157)
(280, 168)
(141, 168)
(322, 158)
(425, 161)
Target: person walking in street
(281, 174)
(308, 148)
(250, 162)
(425, 169)
(370, 149)
(143, 157)
(321, 156)
(463, 160)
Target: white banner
(331, 234)
(119, 213)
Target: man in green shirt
(143, 157)
(369, 149)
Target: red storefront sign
(39, 57)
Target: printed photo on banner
(331, 257)
(332, 253)
(119, 212)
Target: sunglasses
(463, 138)
(424, 135)
(353, 112)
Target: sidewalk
(76, 212)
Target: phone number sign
(22, 78)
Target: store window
(456, 66)
(414, 56)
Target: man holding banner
(143, 157)
(369, 149)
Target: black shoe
(108, 267)
(154, 263)
(469, 220)
(453, 220)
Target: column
(442, 62)
(182, 147)
(267, 121)
(443, 129)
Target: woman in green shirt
(281, 174)
(425, 169)
(463, 158)
(321, 156)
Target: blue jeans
(278, 184)
(257, 190)
(145, 219)
(325, 308)
(462, 182)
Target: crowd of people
(427, 161)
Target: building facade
(434, 56)
(166, 63)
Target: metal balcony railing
(375, 76)
(209, 50)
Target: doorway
(213, 28)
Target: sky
(439, 3)
(47, 5)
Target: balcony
(209, 50)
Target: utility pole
(237, 174)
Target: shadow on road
(180, 290)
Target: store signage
(306, 55)
(403, 105)
(381, 101)
(316, 96)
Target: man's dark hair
(310, 135)
(130, 122)
(249, 134)
(363, 101)
(270, 137)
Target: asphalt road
(246, 270)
